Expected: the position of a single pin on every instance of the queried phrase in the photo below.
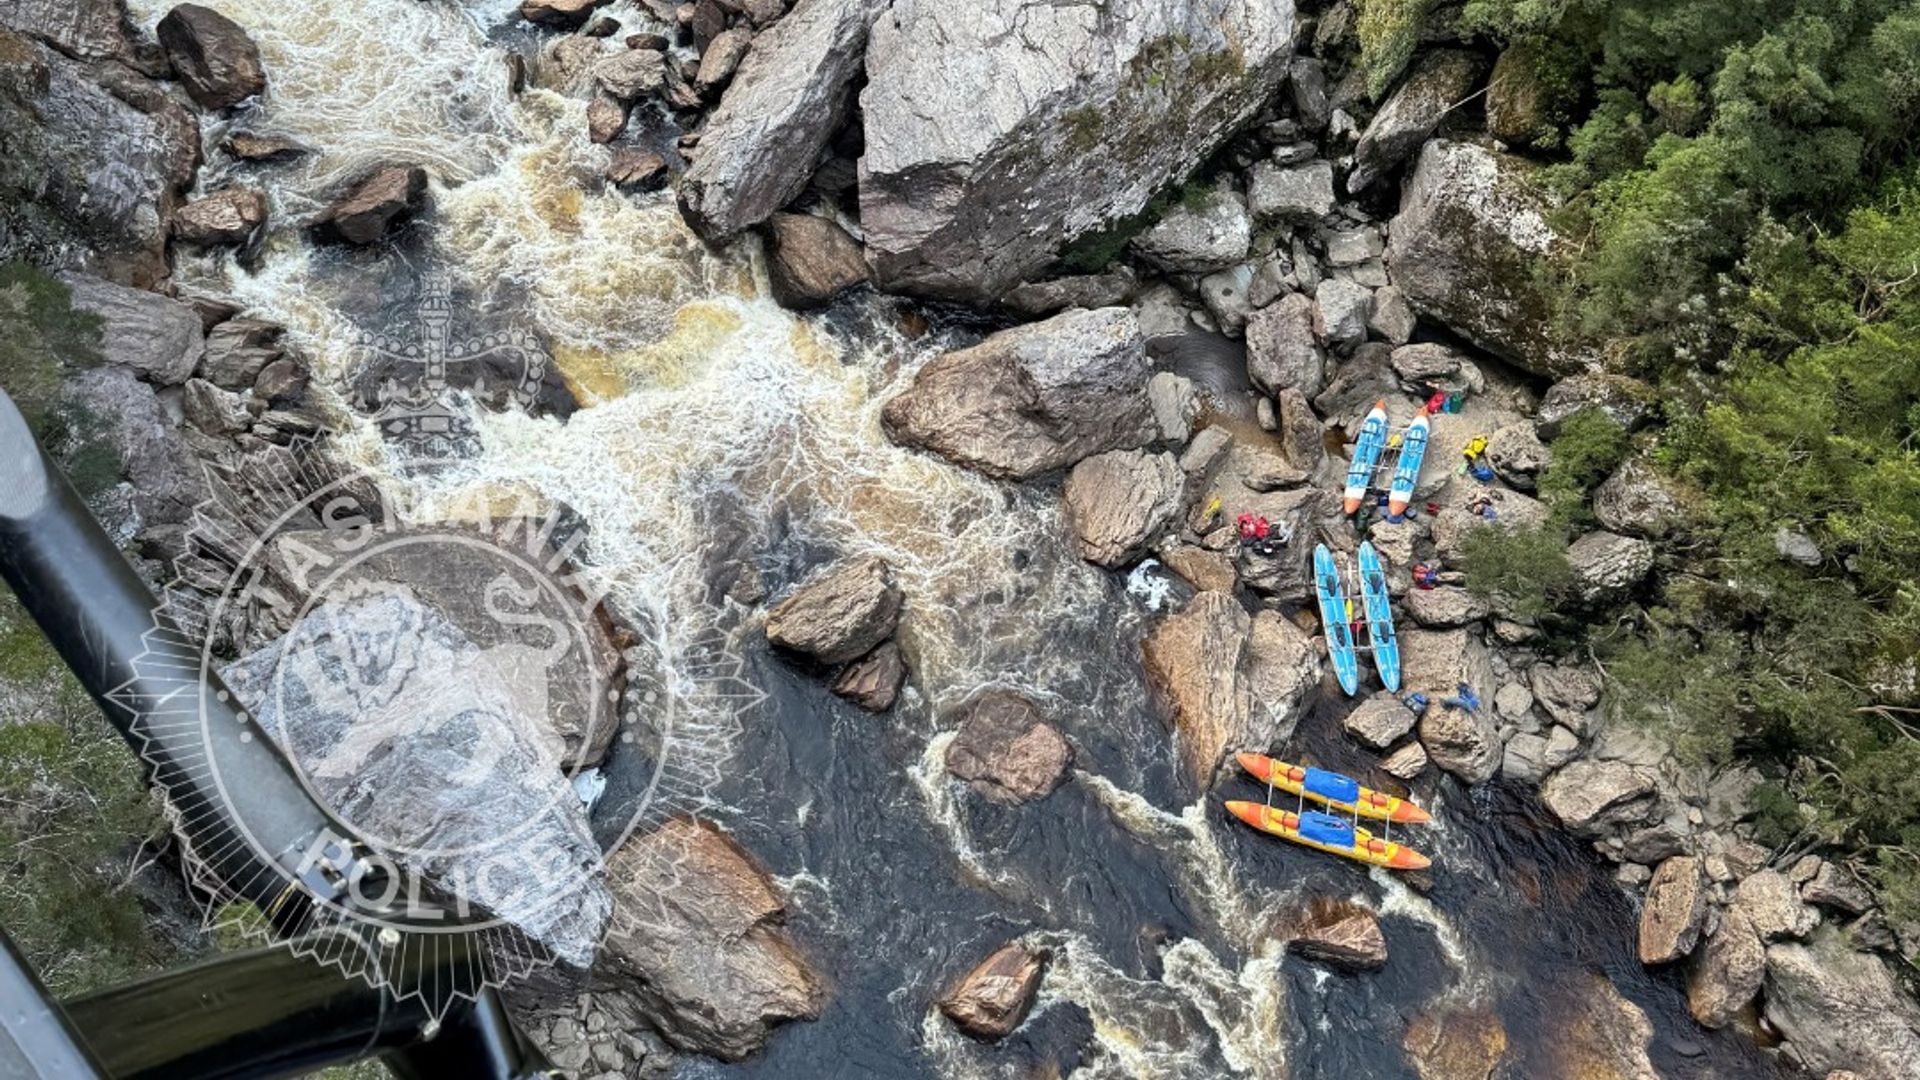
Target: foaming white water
(1183, 1026)
(938, 789)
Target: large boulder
(1210, 235)
(158, 339)
(701, 935)
(95, 158)
(1728, 971)
(839, 614)
(1582, 794)
(1032, 399)
(1606, 566)
(1675, 910)
(1638, 501)
(214, 58)
(408, 730)
(1627, 401)
(1841, 1009)
(1119, 502)
(987, 150)
(1006, 749)
(374, 203)
(873, 681)
(164, 471)
(1466, 249)
(1298, 194)
(810, 260)
(1282, 351)
(1436, 662)
(1772, 904)
(990, 1001)
(786, 100)
(229, 216)
(1440, 81)
(1230, 681)
(1519, 456)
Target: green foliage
(1590, 445)
(41, 338)
(1093, 252)
(73, 810)
(1388, 30)
(1084, 125)
(42, 341)
(1524, 569)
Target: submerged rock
(1465, 249)
(1119, 502)
(1006, 749)
(811, 260)
(1032, 399)
(786, 100)
(1449, 1042)
(214, 58)
(701, 934)
(977, 173)
(990, 1001)
(1340, 934)
(840, 613)
(1675, 910)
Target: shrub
(1524, 570)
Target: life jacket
(1247, 527)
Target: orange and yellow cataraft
(1329, 834)
(1296, 780)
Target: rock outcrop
(1465, 249)
(1229, 680)
(990, 1001)
(1841, 1009)
(158, 339)
(1440, 81)
(1006, 749)
(214, 58)
(700, 931)
(987, 150)
(840, 613)
(1032, 399)
(787, 98)
(96, 158)
(1119, 502)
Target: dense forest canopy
(1740, 181)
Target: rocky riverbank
(1205, 250)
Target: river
(716, 422)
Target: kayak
(1332, 789)
(1333, 617)
(1329, 834)
(1366, 455)
(1406, 472)
(1373, 589)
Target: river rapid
(715, 425)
